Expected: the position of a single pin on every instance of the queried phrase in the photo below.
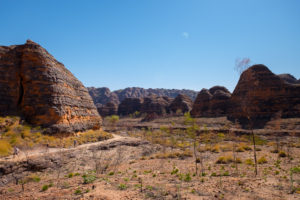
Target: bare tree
(242, 64)
(98, 161)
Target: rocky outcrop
(137, 92)
(104, 95)
(41, 90)
(261, 95)
(108, 109)
(211, 103)
(129, 106)
(181, 104)
(288, 78)
(147, 105)
(156, 104)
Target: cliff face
(261, 95)
(211, 103)
(40, 89)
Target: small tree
(192, 132)
(240, 66)
(114, 119)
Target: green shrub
(111, 173)
(45, 187)
(226, 173)
(77, 191)
(174, 171)
(122, 187)
(34, 178)
(249, 161)
(213, 174)
(187, 177)
(295, 170)
(89, 178)
(262, 160)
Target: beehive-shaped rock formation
(41, 90)
(261, 95)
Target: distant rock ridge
(104, 95)
(129, 99)
(41, 90)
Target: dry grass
(25, 136)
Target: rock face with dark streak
(262, 95)
(211, 103)
(108, 109)
(41, 90)
(156, 104)
(129, 106)
(181, 104)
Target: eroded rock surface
(110, 108)
(211, 103)
(261, 95)
(288, 78)
(129, 106)
(40, 89)
(181, 104)
(156, 104)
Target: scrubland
(171, 158)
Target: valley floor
(148, 163)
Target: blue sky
(191, 44)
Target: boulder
(261, 95)
(182, 103)
(42, 91)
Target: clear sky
(191, 44)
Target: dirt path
(43, 151)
